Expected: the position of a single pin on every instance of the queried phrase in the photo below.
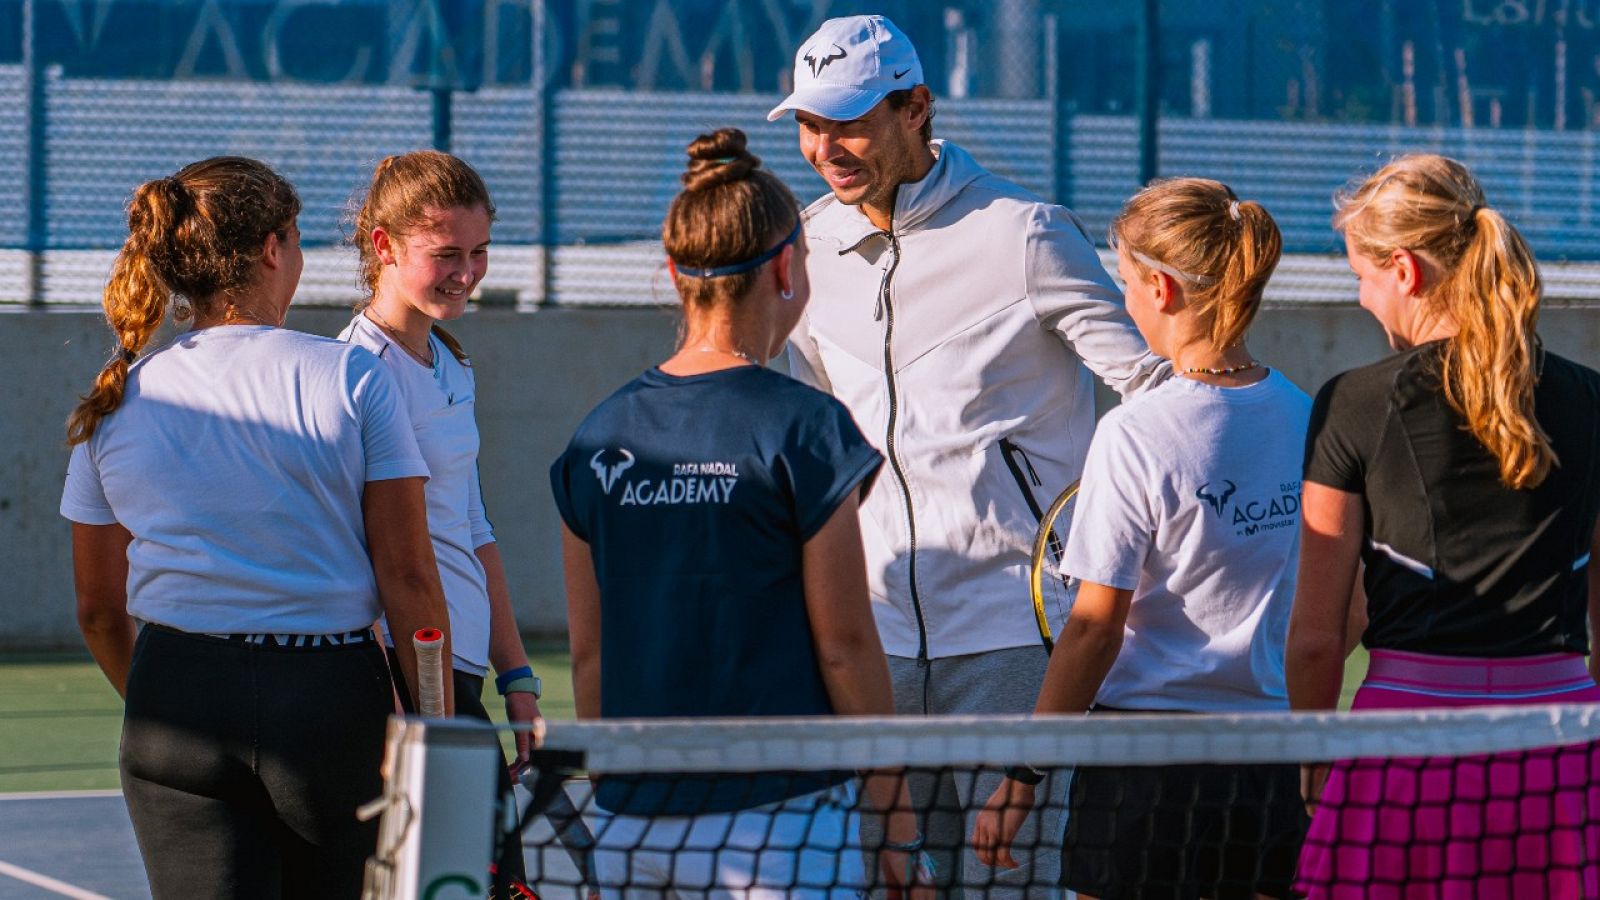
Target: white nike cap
(848, 66)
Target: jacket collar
(917, 201)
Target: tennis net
(1468, 802)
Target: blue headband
(747, 265)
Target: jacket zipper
(1010, 452)
(885, 313)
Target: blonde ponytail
(1490, 366)
(1431, 206)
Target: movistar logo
(609, 471)
(1217, 501)
(817, 63)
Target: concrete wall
(538, 373)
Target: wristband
(1024, 774)
(505, 680)
(532, 686)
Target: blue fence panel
(499, 132)
(1544, 182)
(13, 157)
(107, 136)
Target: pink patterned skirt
(1505, 825)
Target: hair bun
(718, 158)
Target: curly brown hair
(196, 235)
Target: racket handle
(430, 672)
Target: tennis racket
(430, 672)
(1051, 588)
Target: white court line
(60, 795)
(50, 884)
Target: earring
(787, 294)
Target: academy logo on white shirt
(1255, 513)
(609, 472)
(1215, 497)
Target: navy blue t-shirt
(695, 495)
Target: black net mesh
(1470, 803)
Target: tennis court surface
(80, 844)
(68, 844)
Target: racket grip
(430, 672)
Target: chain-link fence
(576, 112)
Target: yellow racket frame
(1041, 546)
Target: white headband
(1152, 263)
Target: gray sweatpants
(1000, 681)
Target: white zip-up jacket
(959, 341)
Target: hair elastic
(1233, 210)
(736, 268)
(724, 160)
(128, 356)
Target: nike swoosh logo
(901, 73)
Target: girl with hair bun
(245, 501)
(714, 564)
(1464, 474)
(1184, 541)
(422, 233)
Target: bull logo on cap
(817, 65)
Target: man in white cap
(957, 315)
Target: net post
(436, 830)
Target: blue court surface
(71, 844)
(80, 844)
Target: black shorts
(1186, 831)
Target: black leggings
(469, 703)
(243, 764)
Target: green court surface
(60, 720)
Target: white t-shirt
(1191, 498)
(439, 401)
(237, 461)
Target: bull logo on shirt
(609, 471)
(1218, 501)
